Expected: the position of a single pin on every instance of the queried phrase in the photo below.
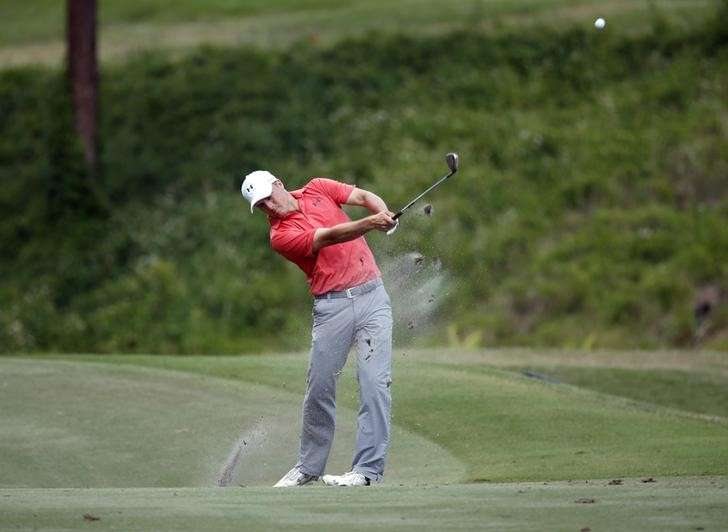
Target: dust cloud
(416, 285)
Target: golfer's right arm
(326, 236)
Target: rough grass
(33, 30)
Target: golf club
(452, 161)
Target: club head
(452, 162)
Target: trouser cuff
(307, 471)
(370, 474)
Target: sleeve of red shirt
(336, 190)
(293, 244)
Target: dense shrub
(590, 210)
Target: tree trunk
(83, 76)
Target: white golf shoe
(295, 477)
(352, 478)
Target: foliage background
(590, 210)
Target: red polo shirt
(332, 268)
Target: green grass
(83, 436)
(99, 425)
(689, 380)
(668, 504)
(33, 30)
(704, 393)
(503, 426)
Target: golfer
(309, 228)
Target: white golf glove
(393, 229)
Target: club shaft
(401, 211)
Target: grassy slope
(705, 393)
(668, 504)
(507, 427)
(33, 30)
(693, 381)
(84, 425)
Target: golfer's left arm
(368, 200)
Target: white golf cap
(256, 186)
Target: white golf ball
(600, 23)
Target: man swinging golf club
(351, 306)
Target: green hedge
(590, 210)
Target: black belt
(353, 291)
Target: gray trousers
(364, 319)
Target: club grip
(397, 215)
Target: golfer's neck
(292, 203)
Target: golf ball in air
(600, 23)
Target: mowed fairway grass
(137, 441)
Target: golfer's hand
(382, 221)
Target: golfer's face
(275, 204)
